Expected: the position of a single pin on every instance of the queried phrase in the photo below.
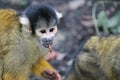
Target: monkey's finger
(51, 56)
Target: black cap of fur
(34, 12)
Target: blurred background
(81, 20)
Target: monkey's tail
(72, 67)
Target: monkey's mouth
(46, 42)
(48, 45)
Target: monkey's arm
(41, 66)
(44, 70)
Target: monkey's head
(43, 20)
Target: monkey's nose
(47, 41)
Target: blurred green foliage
(23, 3)
(109, 24)
(20, 3)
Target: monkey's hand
(51, 75)
(51, 55)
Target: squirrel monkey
(20, 36)
(98, 60)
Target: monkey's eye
(51, 29)
(43, 31)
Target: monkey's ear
(59, 15)
(25, 22)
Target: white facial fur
(46, 33)
(24, 20)
(59, 15)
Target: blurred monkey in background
(98, 60)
